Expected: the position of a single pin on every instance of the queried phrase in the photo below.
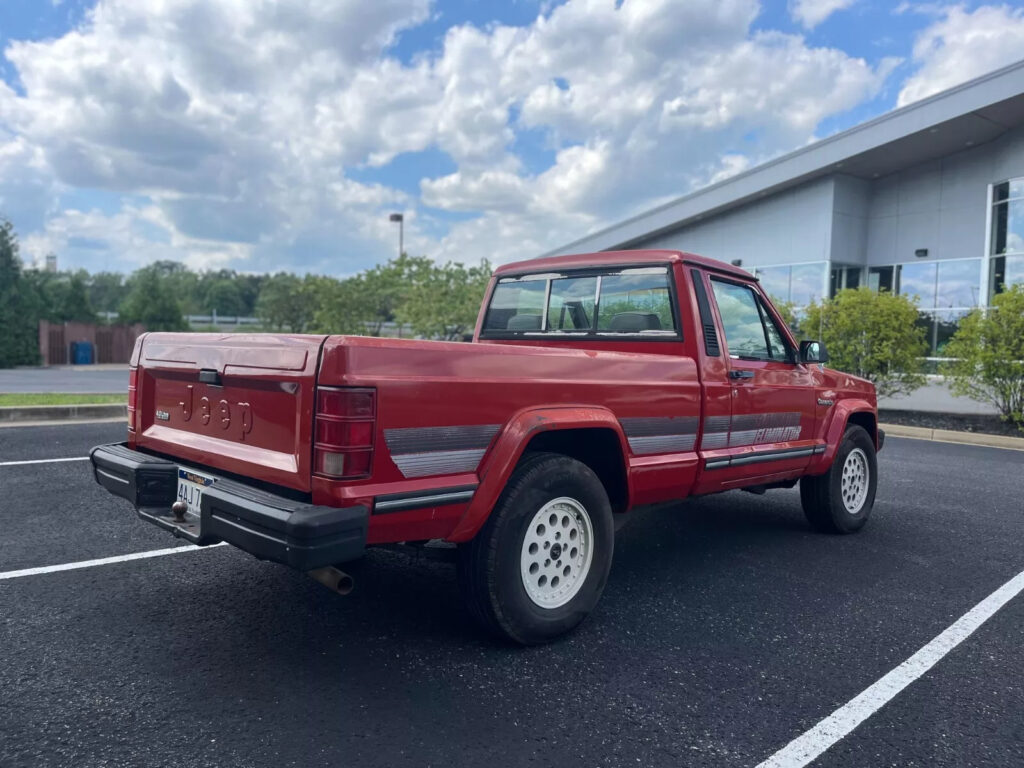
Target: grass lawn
(58, 398)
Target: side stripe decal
(750, 429)
(424, 451)
(670, 434)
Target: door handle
(735, 374)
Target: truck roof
(617, 258)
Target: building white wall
(940, 205)
(792, 226)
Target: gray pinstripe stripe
(750, 429)
(661, 444)
(422, 451)
(438, 462)
(660, 434)
(456, 438)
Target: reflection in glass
(946, 323)
(774, 282)
(880, 278)
(807, 282)
(741, 320)
(958, 283)
(926, 320)
(516, 305)
(1013, 271)
(632, 294)
(918, 280)
(1015, 227)
(1008, 190)
(572, 304)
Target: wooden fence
(111, 343)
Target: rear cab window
(633, 301)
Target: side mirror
(813, 352)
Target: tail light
(345, 424)
(133, 384)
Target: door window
(750, 331)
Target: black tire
(489, 566)
(827, 504)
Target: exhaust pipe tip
(334, 579)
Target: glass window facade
(800, 284)
(1007, 235)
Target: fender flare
(504, 455)
(834, 431)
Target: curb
(21, 413)
(951, 436)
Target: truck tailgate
(238, 403)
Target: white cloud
(810, 13)
(963, 45)
(244, 127)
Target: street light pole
(401, 233)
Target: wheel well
(866, 420)
(599, 449)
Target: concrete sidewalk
(73, 379)
(935, 397)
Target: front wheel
(840, 501)
(540, 563)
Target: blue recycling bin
(81, 353)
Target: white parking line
(40, 461)
(810, 745)
(103, 561)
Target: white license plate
(191, 485)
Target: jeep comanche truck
(594, 384)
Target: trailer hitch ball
(178, 509)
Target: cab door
(770, 433)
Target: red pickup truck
(594, 384)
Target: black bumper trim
(264, 524)
(400, 502)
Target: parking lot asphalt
(727, 629)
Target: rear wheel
(540, 563)
(840, 501)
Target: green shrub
(989, 351)
(871, 334)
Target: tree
(385, 288)
(871, 334)
(106, 291)
(286, 302)
(988, 348)
(443, 301)
(152, 301)
(19, 313)
(72, 300)
(788, 312)
(221, 292)
(341, 306)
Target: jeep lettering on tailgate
(223, 411)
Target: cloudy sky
(264, 135)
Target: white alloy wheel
(557, 552)
(856, 481)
